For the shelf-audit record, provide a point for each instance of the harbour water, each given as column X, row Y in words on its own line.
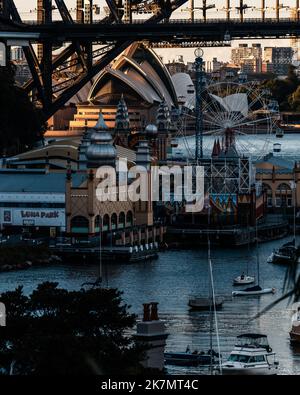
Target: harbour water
column 255, row 145
column 174, row 277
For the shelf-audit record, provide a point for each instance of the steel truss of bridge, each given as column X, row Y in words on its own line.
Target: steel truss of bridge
column 79, row 37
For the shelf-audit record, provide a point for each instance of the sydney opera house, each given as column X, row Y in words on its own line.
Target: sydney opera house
column 139, row 75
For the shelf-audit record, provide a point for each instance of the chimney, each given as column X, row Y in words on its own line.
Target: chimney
column 151, row 333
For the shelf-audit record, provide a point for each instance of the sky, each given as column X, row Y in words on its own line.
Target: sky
column 27, row 7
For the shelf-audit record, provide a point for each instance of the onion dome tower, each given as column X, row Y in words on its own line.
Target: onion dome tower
column 163, row 122
column 86, row 140
column 122, row 127
column 101, row 151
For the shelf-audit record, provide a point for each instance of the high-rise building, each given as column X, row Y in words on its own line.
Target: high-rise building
column 243, row 51
column 279, row 57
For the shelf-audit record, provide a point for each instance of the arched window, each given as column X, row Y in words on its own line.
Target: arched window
column 97, row 223
column 129, row 218
column 114, row 221
column 269, row 194
column 79, row 224
column 121, row 220
column 283, row 195
column 105, row 226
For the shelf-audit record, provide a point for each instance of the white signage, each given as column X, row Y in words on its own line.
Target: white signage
column 33, row 217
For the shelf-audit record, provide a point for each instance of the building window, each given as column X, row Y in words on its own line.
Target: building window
column 106, row 222
column 129, row 219
column 79, row 224
column 283, row 195
column 269, row 201
column 97, row 223
column 114, row 221
column 121, row 221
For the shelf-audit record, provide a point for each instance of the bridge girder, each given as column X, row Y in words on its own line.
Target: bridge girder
column 51, row 97
column 79, row 54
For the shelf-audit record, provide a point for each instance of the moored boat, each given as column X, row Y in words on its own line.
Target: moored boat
column 243, row 280
column 257, row 290
column 189, row 358
column 295, row 331
column 252, row 355
column 198, row 303
column 286, row 254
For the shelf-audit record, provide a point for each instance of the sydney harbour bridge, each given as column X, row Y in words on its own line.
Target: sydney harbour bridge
column 85, row 45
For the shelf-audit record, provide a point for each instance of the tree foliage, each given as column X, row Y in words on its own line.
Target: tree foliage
column 61, row 332
column 285, row 91
column 20, row 122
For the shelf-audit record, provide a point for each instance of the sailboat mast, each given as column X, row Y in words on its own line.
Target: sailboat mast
column 100, row 254
column 294, row 188
column 210, row 295
column 257, row 256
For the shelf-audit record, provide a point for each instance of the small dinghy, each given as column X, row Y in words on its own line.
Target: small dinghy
column 243, row 280
column 257, row 290
column 189, row 358
column 198, row 303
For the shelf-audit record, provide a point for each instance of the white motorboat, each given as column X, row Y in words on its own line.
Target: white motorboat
column 295, row 331
column 252, row 355
column 257, row 290
column 243, row 280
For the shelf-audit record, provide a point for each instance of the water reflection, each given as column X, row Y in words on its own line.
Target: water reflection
column 174, row 277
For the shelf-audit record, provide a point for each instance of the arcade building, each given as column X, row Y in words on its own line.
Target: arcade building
column 52, row 190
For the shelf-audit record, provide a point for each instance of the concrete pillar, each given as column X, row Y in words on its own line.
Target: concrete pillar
column 151, row 333
column 131, row 236
column 228, row 10
column 146, row 235
column 123, row 238
column 153, row 234
column 263, row 7
column 191, row 7
column 161, row 234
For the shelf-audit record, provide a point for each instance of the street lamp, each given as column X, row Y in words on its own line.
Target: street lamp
column 198, row 107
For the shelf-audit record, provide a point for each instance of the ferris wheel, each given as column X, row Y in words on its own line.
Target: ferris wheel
column 234, row 114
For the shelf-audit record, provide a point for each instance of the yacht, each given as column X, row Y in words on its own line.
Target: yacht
column 243, row 279
column 295, row 331
column 252, row 355
column 288, row 253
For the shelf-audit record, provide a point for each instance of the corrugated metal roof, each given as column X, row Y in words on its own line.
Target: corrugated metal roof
column 16, row 181
column 278, row 161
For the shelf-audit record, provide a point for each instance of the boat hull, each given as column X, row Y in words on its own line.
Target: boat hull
column 294, row 337
column 249, row 293
column 257, row 371
column 283, row 259
column 184, row 359
column 204, row 304
column 246, row 281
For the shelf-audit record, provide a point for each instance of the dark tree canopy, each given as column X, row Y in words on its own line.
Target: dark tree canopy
column 285, row 90
column 20, row 122
column 58, row 332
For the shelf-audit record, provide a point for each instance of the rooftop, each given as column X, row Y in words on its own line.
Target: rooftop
column 36, row 181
